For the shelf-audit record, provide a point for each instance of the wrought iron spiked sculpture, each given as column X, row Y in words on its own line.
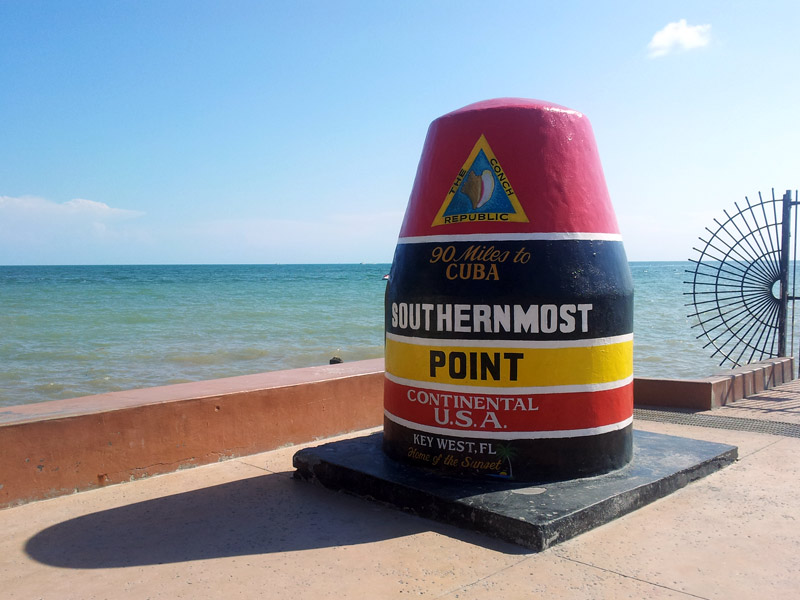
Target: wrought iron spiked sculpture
column 740, row 282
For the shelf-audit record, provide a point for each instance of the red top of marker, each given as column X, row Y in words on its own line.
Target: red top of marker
column 509, row 165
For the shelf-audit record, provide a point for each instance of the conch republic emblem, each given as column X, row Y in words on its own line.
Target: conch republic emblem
column 481, row 191
column 509, row 307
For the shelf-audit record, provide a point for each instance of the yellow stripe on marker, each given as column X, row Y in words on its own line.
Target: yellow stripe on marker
column 509, row 367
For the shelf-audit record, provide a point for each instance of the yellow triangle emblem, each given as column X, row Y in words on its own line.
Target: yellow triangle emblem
column 481, row 192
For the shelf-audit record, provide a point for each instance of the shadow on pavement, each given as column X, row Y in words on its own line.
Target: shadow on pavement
column 265, row 514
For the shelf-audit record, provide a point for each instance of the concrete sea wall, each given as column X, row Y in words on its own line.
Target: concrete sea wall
column 713, row 392
column 55, row 448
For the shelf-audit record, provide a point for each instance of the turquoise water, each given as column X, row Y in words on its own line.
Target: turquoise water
column 665, row 344
column 71, row 331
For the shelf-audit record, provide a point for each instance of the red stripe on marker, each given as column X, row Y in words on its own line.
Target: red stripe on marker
column 548, row 153
column 512, row 412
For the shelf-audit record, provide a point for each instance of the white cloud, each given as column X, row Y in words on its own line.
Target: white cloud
column 337, row 238
column 34, row 208
column 37, row 230
column 677, row 36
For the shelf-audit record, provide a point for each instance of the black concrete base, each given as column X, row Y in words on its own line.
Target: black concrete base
column 531, row 515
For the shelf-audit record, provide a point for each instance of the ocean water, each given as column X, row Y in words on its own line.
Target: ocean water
column 69, row 331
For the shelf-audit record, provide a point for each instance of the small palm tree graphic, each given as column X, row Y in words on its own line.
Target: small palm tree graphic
column 506, row 452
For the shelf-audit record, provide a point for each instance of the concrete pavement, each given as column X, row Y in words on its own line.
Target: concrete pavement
column 245, row 529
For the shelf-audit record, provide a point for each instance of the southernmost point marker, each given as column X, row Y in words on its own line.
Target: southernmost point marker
column 509, row 343
column 509, row 307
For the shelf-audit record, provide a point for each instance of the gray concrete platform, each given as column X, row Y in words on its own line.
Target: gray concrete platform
column 245, row 529
column 534, row 515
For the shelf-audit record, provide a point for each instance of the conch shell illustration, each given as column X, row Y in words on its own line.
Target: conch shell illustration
column 479, row 188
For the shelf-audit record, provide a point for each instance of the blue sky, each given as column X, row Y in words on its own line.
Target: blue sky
column 289, row 132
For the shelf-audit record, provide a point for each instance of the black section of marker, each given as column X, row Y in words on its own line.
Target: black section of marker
column 554, row 276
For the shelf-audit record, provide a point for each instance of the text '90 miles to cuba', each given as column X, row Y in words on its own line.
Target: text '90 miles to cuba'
column 476, row 262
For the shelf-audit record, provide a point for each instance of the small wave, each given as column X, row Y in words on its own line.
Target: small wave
column 50, row 387
column 194, row 358
column 220, row 356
